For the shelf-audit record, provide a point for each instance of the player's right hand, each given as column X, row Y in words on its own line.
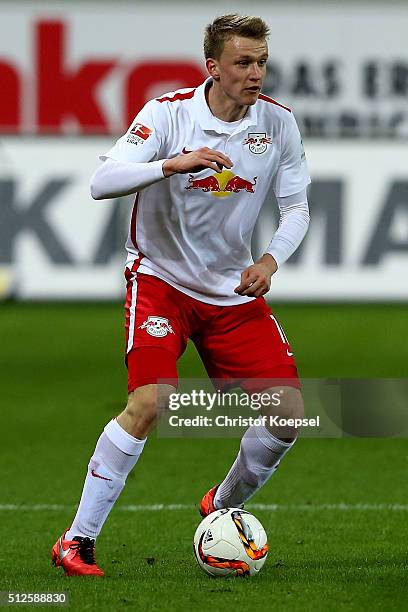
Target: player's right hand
column 195, row 161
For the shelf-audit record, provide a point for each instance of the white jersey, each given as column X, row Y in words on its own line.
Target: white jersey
column 194, row 230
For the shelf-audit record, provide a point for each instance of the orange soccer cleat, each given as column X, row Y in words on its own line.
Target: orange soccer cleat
column 76, row 556
column 207, row 503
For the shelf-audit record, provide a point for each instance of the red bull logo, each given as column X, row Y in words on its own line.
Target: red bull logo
column 209, row 183
column 222, row 184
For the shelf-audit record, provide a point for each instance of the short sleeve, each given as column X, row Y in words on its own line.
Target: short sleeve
column 144, row 138
column 292, row 175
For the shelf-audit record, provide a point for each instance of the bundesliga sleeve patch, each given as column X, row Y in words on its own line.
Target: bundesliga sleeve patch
column 139, row 134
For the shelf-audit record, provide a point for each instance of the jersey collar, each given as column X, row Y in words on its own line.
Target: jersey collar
column 206, row 119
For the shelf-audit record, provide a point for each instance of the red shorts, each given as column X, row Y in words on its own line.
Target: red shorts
column 244, row 342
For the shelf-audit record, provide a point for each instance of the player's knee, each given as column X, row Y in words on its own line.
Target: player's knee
column 145, row 404
column 286, row 402
column 291, row 411
column 291, row 406
column 141, row 406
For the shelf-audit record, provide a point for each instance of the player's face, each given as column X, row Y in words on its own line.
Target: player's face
column 241, row 69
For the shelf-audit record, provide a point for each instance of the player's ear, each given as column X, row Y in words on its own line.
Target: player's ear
column 212, row 67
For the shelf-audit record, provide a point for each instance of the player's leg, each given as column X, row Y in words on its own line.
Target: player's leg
column 153, row 351
column 261, row 450
column 116, row 453
column 268, row 366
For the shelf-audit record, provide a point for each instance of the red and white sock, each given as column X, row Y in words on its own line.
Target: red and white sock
column 258, row 458
column 115, row 455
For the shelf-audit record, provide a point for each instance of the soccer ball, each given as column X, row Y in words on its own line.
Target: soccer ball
column 230, row 542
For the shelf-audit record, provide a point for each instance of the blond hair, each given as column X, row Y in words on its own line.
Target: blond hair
column 223, row 28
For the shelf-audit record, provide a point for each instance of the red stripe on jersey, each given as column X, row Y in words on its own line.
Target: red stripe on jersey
column 272, row 101
column 134, row 268
column 133, row 226
column 133, row 222
column 177, row 96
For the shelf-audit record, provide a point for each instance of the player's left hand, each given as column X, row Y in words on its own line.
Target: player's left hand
column 256, row 279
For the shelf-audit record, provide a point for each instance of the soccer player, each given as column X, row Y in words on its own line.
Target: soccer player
column 201, row 162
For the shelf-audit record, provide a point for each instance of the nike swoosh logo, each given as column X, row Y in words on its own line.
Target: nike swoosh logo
column 99, row 476
column 62, row 553
column 185, row 151
column 289, row 354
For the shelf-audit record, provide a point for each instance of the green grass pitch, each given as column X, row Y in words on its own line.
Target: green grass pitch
column 338, row 536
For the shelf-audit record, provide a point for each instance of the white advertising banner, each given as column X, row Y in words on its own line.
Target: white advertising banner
column 88, row 67
column 56, row 242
